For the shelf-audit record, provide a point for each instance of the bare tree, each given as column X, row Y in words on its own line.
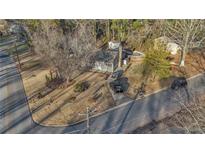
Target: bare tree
column 142, row 32
column 65, row 46
column 186, row 33
column 192, row 116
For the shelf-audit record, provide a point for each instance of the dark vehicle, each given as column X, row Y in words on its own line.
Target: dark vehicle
column 180, row 82
column 116, row 87
column 119, row 85
column 117, row 74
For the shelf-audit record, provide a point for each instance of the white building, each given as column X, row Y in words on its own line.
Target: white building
column 113, row 45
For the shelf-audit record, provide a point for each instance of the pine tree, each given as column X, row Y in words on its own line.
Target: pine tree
column 156, row 64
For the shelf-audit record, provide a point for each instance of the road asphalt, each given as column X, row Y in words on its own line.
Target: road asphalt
column 15, row 116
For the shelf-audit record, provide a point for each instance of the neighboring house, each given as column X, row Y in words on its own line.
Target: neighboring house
column 171, row 46
column 19, row 31
column 16, row 29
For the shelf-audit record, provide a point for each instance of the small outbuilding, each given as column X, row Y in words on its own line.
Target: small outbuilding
column 113, row 45
column 137, row 56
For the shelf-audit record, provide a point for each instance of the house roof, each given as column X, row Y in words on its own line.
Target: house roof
column 105, row 55
column 109, row 55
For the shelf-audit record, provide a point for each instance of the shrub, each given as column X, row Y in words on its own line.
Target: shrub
column 82, row 86
column 47, row 79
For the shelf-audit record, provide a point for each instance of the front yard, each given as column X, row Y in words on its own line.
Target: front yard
column 62, row 105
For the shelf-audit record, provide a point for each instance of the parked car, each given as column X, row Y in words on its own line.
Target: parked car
column 117, row 74
column 116, row 87
column 179, row 82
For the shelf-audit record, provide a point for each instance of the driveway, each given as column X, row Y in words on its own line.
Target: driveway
column 15, row 115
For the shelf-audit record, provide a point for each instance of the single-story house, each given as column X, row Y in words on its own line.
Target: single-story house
column 107, row 60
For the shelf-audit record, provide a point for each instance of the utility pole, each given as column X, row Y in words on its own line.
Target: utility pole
column 88, row 120
column 88, row 112
column 120, row 56
column 108, row 29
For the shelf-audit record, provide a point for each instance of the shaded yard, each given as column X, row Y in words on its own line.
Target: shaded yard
column 62, row 105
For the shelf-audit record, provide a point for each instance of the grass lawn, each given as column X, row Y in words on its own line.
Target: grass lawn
column 62, row 106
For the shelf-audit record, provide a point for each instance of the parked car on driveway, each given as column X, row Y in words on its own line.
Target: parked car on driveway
column 116, row 87
column 119, row 85
column 179, row 82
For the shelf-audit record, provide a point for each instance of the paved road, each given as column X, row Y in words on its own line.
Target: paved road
column 15, row 115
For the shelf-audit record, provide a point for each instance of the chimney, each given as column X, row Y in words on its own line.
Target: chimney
column 120, row 56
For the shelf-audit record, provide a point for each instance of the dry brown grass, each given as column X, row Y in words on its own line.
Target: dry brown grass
column 62, row 106
column 194, row 64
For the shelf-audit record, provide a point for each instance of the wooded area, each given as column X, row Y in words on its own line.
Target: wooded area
column 68, row 45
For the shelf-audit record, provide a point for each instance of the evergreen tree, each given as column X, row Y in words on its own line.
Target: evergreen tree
column 156, row 64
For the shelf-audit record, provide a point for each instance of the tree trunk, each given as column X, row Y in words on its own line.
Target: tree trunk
column 113, row 34
column 95, row 34
column 120, row 56
column 185, row 48
column 182, row 60
column 183, row 53
column 108, row 30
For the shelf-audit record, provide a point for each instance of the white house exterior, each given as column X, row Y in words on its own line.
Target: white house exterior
column 113, row 45
column 173, row 48
column 106, row 61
